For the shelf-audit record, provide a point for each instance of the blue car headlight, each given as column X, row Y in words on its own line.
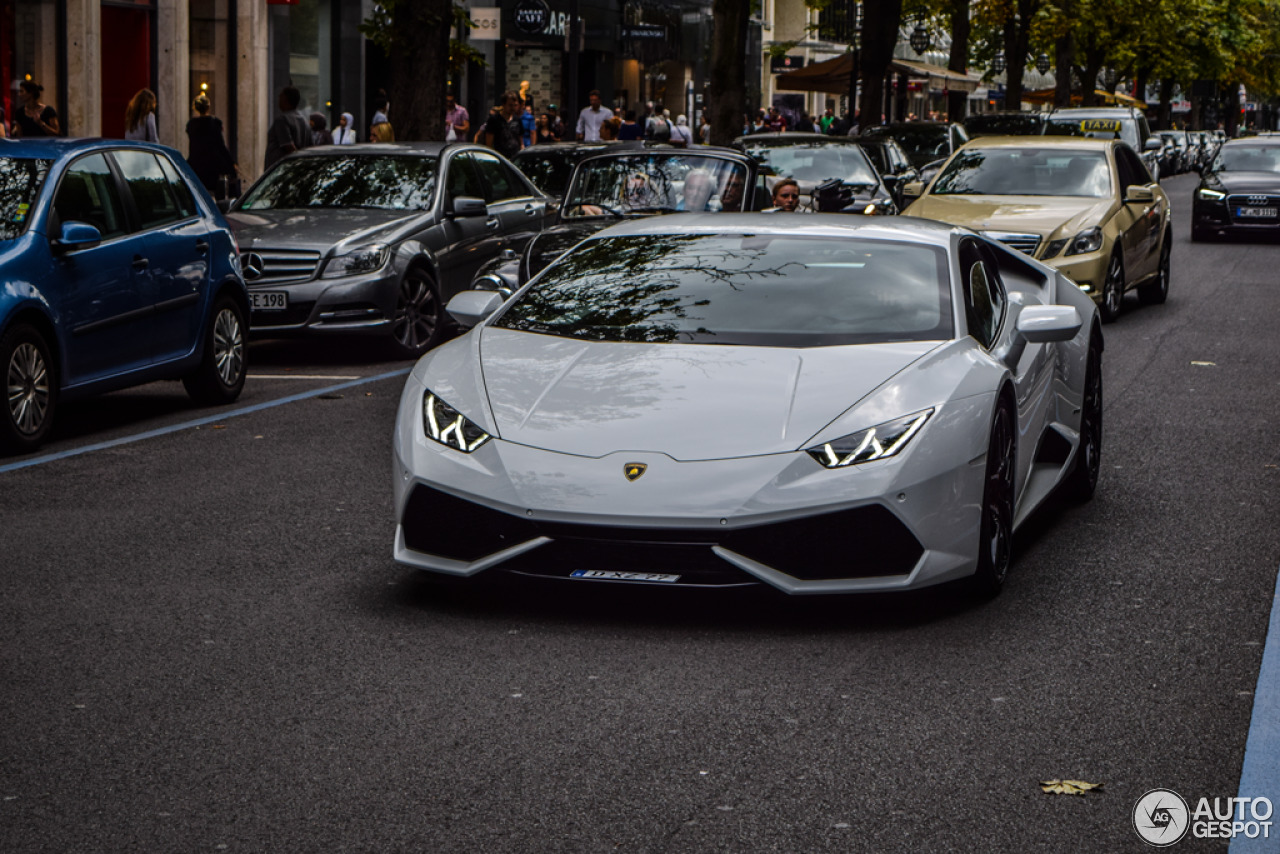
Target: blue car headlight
column 874, row 443
column 353, row 262
column 448, row 426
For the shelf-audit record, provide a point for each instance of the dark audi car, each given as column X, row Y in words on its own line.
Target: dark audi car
column 374, row 239
column 1240, row 191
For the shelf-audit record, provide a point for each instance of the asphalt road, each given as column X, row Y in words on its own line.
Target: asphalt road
column 205, row 645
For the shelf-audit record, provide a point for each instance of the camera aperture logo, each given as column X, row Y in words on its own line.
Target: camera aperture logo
column 1160, row 817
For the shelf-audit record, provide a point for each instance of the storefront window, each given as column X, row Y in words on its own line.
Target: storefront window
column 28, row 51
column 309, row 53
column 210, row 56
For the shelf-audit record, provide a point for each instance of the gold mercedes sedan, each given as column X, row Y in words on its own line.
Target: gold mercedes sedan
column 1087, row 207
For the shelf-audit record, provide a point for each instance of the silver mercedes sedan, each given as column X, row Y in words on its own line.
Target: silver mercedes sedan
column 820, row 403
column 373, row 239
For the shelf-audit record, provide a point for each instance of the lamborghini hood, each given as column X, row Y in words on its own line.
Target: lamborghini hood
column 691, row 402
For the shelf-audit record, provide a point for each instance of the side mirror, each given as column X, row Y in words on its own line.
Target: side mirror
column 913, row 189
column 1152, row 144
column 1045, row 324
column 1138, row 194
column 468, row 206
column 891, row 182
column 470, row 308
column 77, row 235
column 224, row 205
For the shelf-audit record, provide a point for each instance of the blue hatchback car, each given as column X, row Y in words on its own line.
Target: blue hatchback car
column 116, row 269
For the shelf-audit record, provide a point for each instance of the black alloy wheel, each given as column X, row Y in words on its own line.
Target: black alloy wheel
column 1112, row 290
column 418, row 324
column 1083, row 479
column 31, row 389
column 221, row 373
column 995, row 544
column 1156, row 292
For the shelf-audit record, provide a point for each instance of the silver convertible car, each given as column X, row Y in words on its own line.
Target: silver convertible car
column 820, row 403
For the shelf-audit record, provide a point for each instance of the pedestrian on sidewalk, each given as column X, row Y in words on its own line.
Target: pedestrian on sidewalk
column 320, row 130
column 457, row 120
column 592, row 116
column 345, row 132
column 209, row 158
column 504, row 132
column 140, row 117
column 290, row 131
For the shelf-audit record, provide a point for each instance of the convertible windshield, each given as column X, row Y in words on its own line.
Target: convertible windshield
column 656, row 182
column 20, row 182
column 1248, row 158
column 398, row 183
column 814, row 163
column 741, row 289
column 1025, row 172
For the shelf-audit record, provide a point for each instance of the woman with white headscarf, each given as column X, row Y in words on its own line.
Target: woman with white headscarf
column 345, row 132
column 682, row 134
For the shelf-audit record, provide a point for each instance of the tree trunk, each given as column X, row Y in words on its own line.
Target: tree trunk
column 880, row 22
column 1164, row 118
column 958, row 102
column 728, row 84
column 1065, row 57
column 418, row 66
column 1017, row 35
column 1140, row 83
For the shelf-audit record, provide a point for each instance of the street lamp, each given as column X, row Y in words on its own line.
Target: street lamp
column 997, row 62
column 1042, row 63
column 920, row 38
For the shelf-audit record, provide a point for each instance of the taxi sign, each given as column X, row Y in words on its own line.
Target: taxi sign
column 1093, row 125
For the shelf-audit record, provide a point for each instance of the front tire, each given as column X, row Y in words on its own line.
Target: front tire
column 220, row 376
column 995, row 543
column 1112, row 290
column 418, row 323
column 1157, row 292
column 31, row 389
column 1083, row 479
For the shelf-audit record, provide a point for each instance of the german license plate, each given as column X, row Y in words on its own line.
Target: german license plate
column 1256, row 213
column 611, row 575
column 269, row 300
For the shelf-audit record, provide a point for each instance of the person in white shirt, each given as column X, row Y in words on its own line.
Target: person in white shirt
column 592, row 117
column 344, row 133
column 682, row 134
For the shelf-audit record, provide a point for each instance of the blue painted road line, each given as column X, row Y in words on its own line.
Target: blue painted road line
column 1260, row 776
column 199, row 422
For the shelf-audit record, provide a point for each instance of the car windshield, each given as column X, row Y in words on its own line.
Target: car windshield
column 1025, row 172
column 1248, row 158
column 1094, row 127
column 814, row 163
column 1004, row 125
column 20, row 182
column 387, row 181
column 549, row 169
column 657, row 182
column 740, row 289
column 1172, row 138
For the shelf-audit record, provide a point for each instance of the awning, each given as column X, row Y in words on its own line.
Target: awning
column 1111, row 99
column 832, row 76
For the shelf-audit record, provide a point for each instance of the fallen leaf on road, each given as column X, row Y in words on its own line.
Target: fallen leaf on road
column 1067, row 787
column 219, row 427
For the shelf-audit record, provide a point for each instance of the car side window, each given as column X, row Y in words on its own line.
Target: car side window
column 186, row 203
column 462, row 178
column 1139, row 169
column 1124, row 170
column 153, row 198
column 88, row 193
column 498, row 183
column 983, row 295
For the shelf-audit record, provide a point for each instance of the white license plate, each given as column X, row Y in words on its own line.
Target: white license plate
column 1262, row 213
column 610, row 575
column 269, row 300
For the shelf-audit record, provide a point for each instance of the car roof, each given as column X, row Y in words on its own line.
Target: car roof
column 831, row 225
column 790, row 137
column 55, row 147
column 418, row 148
column 1068, row 142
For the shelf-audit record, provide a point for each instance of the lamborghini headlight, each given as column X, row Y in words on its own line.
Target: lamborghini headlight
column 1089, row 240
column 448, row 426
column 353, row 262
column 875, row 443
column 1210, row 195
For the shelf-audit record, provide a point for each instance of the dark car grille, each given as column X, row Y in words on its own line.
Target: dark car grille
column 263, row 266
column 858, row 543
column 1259, row 200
